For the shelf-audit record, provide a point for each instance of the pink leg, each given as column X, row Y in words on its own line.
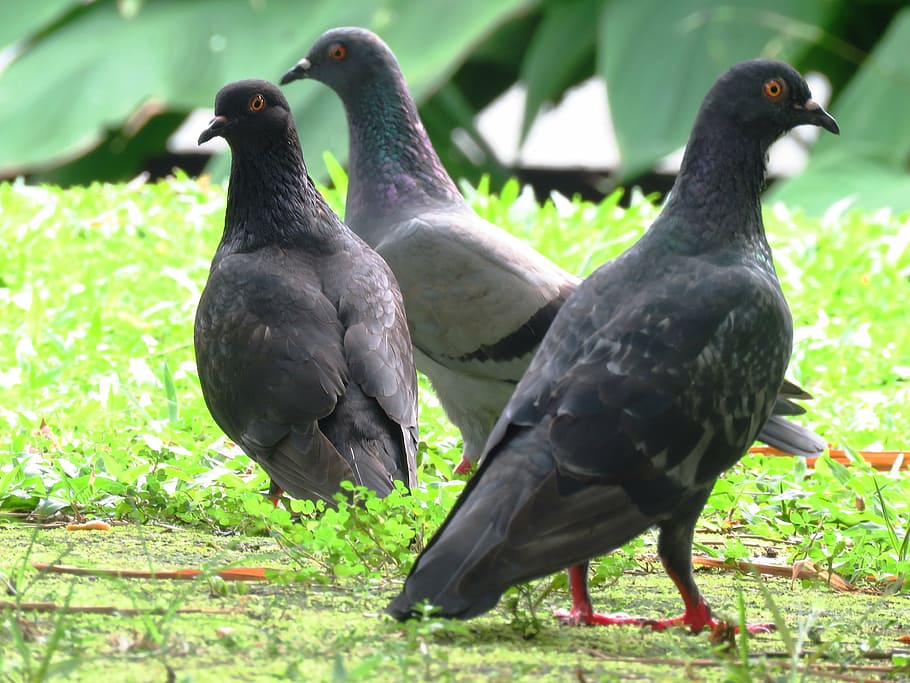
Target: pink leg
column 464, row 467
column 697, row 615
column 582, row 612
column 275, row 493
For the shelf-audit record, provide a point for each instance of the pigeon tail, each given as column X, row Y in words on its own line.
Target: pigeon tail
column 370, row 442
column 306, row 465
column 790, row 437
column 456, row 572
column 516, row 520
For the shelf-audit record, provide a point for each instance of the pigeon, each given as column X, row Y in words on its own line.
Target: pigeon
column 302, row 344
column 654, row 378
column 478, row 299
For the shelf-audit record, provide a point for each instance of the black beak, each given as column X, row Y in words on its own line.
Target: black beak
column 216, row 127
column 298, row 71
column 816, row 116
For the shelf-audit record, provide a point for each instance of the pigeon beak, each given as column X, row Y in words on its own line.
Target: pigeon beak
column 216, row 127
column 298, row 71
column 814, row 114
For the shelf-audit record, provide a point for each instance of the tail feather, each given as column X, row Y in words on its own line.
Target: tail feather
column 790, row 437
column 306, row 465
column 785, row 435
column 373, row 445
column 510, row 525
column 785, row 406
column 789, row 390
column 358, row 442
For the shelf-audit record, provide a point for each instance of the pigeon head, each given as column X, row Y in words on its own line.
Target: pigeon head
column 764, row 98
column 343, row 59
column 248, row 109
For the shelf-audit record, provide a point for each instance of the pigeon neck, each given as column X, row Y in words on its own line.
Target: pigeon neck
column 272, row 201
column 391, row 157
column 716, row 198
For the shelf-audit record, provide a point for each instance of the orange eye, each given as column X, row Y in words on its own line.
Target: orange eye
column 774, row 89
column 257, row 103
column 337, row 51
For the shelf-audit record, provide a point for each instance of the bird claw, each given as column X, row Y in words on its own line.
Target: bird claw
column 584, row 617
column 697, row 624
column 759, row 628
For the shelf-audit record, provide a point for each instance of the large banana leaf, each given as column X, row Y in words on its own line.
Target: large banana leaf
column 659, row 58
column 96, row 87
column 867, row 164
column 110, row 61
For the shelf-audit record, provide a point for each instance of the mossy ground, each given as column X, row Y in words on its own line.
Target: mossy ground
column 336, row 632
column 101, row 415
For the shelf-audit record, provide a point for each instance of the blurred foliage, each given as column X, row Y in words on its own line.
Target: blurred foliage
column 92, row 89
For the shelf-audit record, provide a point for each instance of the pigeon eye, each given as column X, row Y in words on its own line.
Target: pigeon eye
column 257, row 103
column 338, row 52
column 774, row 89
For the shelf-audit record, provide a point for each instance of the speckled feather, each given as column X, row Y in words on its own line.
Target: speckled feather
column 654, row 378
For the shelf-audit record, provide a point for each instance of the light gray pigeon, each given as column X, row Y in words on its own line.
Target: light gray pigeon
column 478, row 300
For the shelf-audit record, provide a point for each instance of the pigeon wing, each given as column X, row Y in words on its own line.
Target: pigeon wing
column 377, row 347
column 269, row 349
column 479, row 300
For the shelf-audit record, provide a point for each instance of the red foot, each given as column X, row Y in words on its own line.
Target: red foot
column 587, row 617
column 582, row 613
column 464, row 467
column 697, row 622
column 697, row 615
column 275, row 493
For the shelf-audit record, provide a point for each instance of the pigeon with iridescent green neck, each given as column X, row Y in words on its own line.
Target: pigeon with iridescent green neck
column 478, row 300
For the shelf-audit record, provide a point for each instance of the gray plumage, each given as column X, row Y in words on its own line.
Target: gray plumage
column 478, row 300
column 655, row 377
column 301, row 340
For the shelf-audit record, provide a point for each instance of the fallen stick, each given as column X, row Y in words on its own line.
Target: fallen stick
column 106, row 609
column 803, row 569
column 883, row 461
column 233, row 574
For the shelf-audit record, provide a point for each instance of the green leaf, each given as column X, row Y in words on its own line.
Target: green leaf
column 62, row 95
column 170, row 392
column 653, row 101
column 21, row 20
column 866, row 164
column 872, row 111
column 561, row 44
column 337, row 174
column 841, row 177
column 169, row 55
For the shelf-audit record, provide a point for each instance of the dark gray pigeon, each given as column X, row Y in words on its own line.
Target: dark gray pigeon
column 301, row 340
column 655, row 377
column 478, row 300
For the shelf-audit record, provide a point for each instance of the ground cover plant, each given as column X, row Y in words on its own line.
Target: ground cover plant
column 101, row 418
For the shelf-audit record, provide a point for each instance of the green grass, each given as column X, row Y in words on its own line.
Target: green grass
column 101, row 415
